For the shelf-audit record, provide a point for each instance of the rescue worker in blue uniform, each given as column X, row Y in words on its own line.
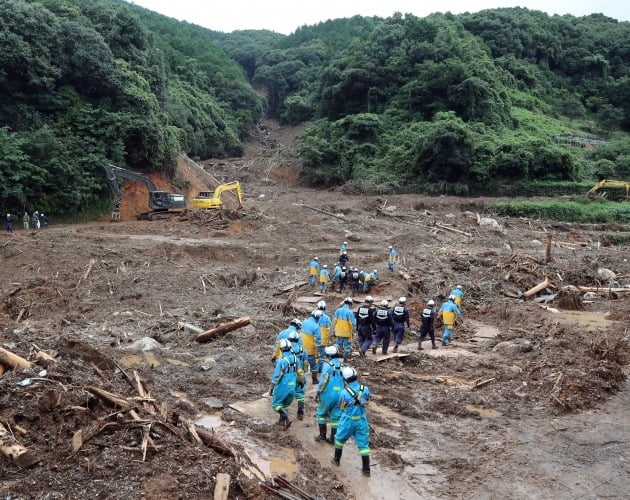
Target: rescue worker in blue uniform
column 324, row 278
column 325, row 327
column 400, row 318
column 449, row 312
column 336, row 275
column 353, row 422
column 283, row 382
column 365, row 324
column 311, row 338
column 391, row 258
column 313, row 271
column 344, row 324
column 383, row 320
column 294, row 326
column 458, row 293
column 302, row 368
column 343, row 248
column 427, row 317
column 327, row 394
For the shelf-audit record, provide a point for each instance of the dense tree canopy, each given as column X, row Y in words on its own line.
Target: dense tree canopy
column 442, row 103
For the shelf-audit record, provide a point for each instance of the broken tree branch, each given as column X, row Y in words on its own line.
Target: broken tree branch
column 452, row 229
column 540, row 286
column 11, row 360
column 11, row 448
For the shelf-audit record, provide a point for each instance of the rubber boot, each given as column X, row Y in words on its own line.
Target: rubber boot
column 420, row 346
column 321, row 437
column 314, row 378
column 366, row 465
column 284, row 419
column 300, row 412
column 433, row 346
column 396, row 348
column 373, row 349
column 331, row 440
column 337, row 458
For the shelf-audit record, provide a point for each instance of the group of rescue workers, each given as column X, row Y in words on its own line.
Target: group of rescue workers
column 309, row 346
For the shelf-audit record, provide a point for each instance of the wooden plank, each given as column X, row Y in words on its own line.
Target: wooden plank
column 222, row 486
column 290, row 287
column 384, row 357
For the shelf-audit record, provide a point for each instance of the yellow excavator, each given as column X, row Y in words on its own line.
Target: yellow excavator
column 609, row 183
column 210, row 199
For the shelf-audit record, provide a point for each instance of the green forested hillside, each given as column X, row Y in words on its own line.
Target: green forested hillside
column 454, row 103
column 83, row 82
column 446, row 103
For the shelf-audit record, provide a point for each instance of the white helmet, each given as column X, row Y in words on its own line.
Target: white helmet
column 390, row 247
column 285, row 345
column 349, row 374
column 345, row 242
column 345, row 253
column 459, row 287
column 325, row 266
column 402, row 300
column 315, row 258
column 375, row 271
column 321, row 305
column 317, row 313
column 347, row 300
column 384, row 302
column 296, row 323
column 451, row 297
column 331, row 350
column 431, row 302
column 369, row 298
column 294, row 336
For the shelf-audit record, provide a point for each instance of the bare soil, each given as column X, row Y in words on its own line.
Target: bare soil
column 529, row 401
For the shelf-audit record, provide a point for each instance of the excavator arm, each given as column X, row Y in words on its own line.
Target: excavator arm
column 159, row 201
column 207, row 200
column 609, row 183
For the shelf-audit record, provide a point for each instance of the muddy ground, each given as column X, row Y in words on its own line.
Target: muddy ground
column 529, row 401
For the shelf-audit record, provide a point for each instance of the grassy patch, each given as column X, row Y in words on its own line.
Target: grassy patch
column 567, row 211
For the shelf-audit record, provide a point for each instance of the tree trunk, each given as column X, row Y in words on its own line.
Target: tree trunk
column 11, row 360
column 223, row 329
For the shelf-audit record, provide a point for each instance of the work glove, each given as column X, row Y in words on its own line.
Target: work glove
column 317, row 397
column 273, row 360
column 271, row 389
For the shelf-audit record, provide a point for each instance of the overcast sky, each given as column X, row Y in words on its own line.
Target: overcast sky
column 285, row 16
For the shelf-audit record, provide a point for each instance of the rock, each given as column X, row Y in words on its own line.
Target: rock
column 606, row 274
column 590, row 296
column 526, row 346
column 213, row 403
column 491, row 223
column 570, row 288
column 261, row 196
column 143, row 344
column 509, row 346
column 390, row 208
column 536, row 243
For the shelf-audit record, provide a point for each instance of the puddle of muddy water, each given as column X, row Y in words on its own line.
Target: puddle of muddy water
column 586, row 319
column 484, row 412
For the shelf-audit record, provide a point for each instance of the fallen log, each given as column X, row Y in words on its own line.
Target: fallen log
column 404, row 275
column 223, row 329
column 222, row 486
column 11, row 448
column 603, row 289
column 321, row 211
column 213, row 441
column 11, row 360
column 452, row 229
column 539, row 287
